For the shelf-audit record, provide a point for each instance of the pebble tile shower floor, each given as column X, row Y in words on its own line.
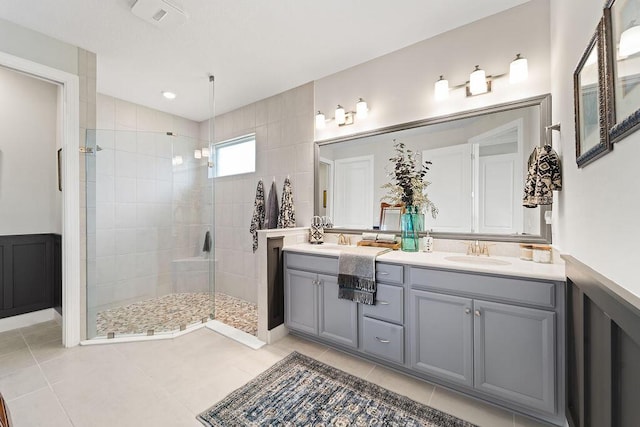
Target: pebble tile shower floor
column 173, row 311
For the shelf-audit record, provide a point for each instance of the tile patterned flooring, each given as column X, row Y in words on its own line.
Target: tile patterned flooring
column 170, row 312
column 168, row 382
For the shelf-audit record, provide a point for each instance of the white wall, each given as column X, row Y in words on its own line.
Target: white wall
column 399, row 86
column 596, row 214
column 29, row 198
column 37, row 47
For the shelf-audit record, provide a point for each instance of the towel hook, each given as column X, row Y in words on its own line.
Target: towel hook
column 547, row 135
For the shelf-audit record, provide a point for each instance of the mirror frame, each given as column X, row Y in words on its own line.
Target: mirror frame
column 543, row 101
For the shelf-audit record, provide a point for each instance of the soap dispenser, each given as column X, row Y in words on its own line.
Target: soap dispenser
column 427, row 245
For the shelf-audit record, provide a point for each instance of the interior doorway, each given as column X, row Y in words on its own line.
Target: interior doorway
column 67, row 118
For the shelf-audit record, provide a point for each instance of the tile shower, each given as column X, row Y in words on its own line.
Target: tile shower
column 149, row 207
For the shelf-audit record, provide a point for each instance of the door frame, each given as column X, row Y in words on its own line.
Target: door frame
column 69, row 122
column 330, row 166
column 336, row 164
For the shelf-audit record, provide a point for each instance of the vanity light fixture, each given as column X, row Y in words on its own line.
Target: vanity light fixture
column 479, row 82
column 321, row 121
column 629, row 41
column 343, row 117
column 169, row 95
column 518, row 70
column 362, row 109
column 441, row 89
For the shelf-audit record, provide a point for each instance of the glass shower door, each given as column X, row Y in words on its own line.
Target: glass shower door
column 150, row 250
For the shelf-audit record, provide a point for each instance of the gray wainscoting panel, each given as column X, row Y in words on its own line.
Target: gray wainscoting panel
column 603, row 360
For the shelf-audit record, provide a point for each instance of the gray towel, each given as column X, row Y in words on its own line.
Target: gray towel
column 357, row 274
column 271, row 216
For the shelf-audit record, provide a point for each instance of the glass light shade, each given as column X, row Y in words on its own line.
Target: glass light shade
column 205, row 152
column 177, row 160
column 629, row 41
column 518, row 70
column 362, row 109
column 320, row 121
column 197, row 154
column 441, row 89
column 478, row 81
column 341, row 117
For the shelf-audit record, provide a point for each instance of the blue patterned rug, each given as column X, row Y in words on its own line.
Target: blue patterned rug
column 300, row 391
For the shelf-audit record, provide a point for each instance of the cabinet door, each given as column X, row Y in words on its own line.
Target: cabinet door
column 440, row 330
column 301, row 301
column 515, row 354
column 338, row 320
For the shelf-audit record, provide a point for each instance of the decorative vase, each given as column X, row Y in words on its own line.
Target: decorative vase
column 411, row 225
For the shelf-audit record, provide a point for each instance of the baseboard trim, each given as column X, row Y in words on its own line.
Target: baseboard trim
column 28, row 319
column 235, row 334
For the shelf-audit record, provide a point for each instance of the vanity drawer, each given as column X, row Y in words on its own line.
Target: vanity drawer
column 389, row 273
column 389, row 304
column 510, row 289
column 315, row 263
column 383, row 339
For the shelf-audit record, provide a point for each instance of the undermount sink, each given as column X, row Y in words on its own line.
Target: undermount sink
column 476, row 260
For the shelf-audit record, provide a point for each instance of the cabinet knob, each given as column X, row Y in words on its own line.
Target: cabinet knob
column 478, row 313
column 382, row 340
column 467, row 310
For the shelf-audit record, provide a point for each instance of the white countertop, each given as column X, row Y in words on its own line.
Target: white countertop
column 515, row 267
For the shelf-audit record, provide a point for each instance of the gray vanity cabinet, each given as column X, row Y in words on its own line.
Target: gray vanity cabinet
column 495, row 337
column 312, row 306
column 338, row 318
column 442, row 336
column 301, row 301
column 514, row 350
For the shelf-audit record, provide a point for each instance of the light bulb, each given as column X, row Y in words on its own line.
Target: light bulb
column 441, row 89
column 341, row 117
column 478, row 81
column 320, row 121
column 362, row 109
column 169, row 95
column 518, row 70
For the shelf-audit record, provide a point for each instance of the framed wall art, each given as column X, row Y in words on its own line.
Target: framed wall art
column 622, row 29
column 591, row 98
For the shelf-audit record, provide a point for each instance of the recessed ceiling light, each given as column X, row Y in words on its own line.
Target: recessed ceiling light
column 169, row 95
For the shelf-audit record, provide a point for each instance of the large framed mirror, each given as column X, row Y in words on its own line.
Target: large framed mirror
column 478, row 171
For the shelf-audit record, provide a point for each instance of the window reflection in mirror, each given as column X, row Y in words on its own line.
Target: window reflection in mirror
column 479, row 166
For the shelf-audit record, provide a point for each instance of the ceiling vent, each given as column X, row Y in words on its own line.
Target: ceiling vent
column 161, row 13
